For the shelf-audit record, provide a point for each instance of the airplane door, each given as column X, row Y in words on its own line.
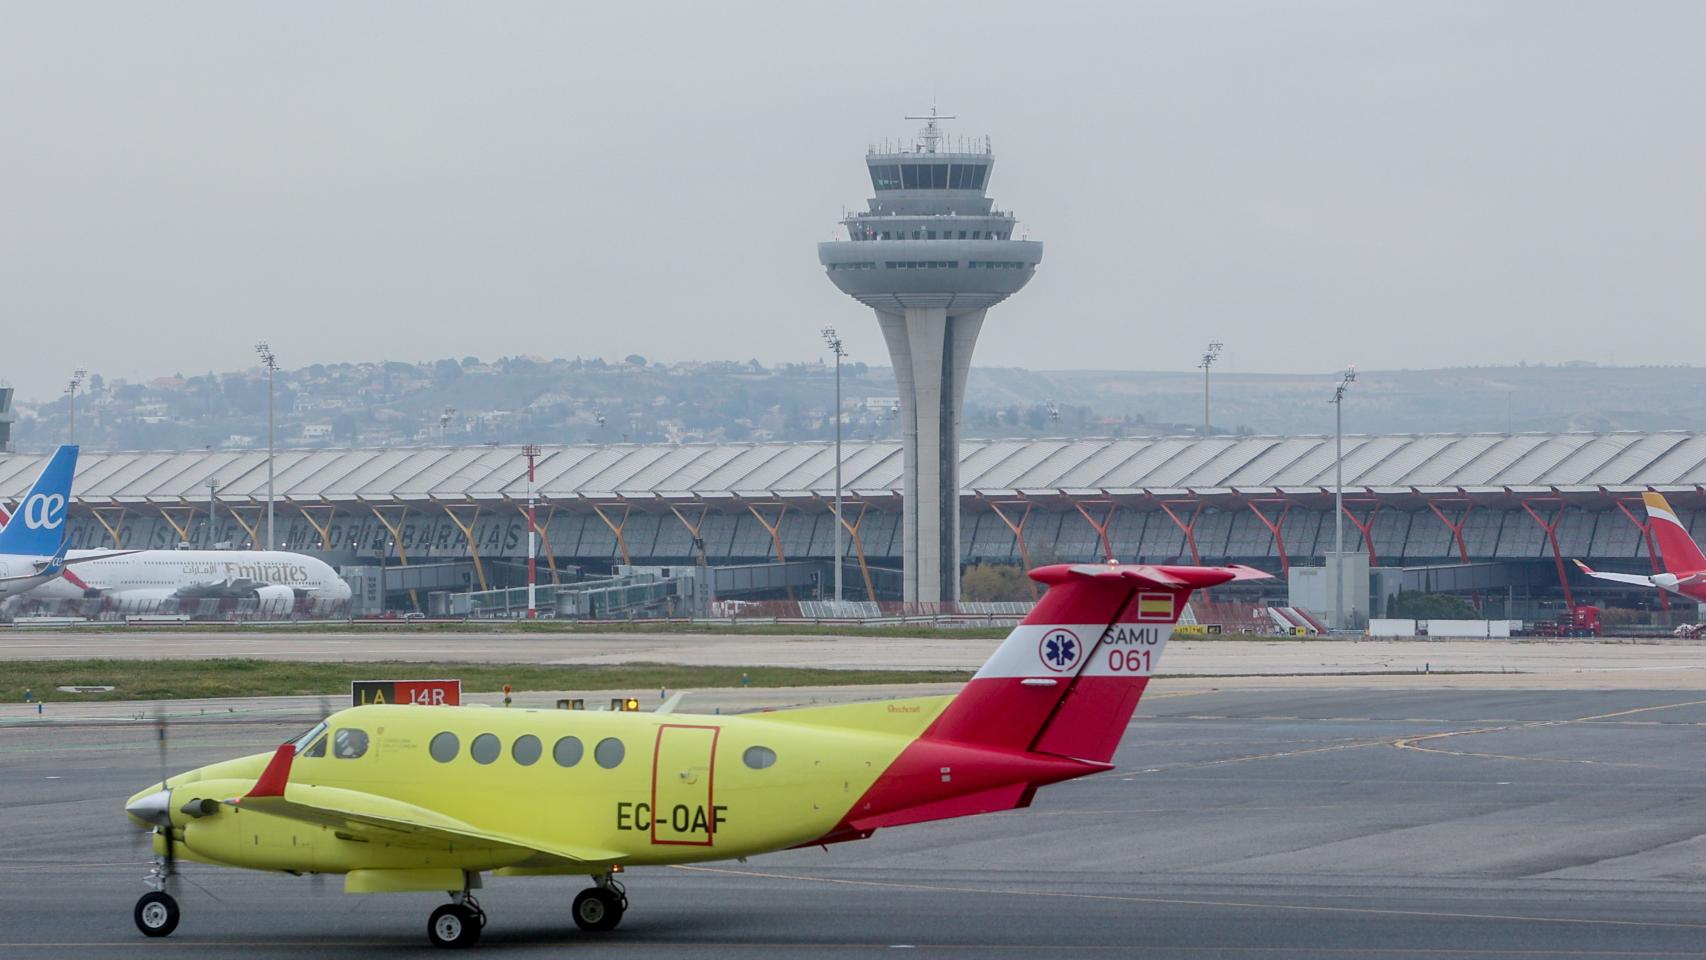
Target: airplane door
column 683, row 767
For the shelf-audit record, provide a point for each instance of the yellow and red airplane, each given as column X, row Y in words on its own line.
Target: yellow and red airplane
column 413, row 798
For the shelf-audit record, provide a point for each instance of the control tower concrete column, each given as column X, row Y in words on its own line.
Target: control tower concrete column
column 931, row 351
column 930, row 256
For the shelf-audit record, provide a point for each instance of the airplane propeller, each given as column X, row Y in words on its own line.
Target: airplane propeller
column 317, row 881
column 156, row 809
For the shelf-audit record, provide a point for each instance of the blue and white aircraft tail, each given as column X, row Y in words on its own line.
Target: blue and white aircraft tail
column 38, row 525
column 33, row 542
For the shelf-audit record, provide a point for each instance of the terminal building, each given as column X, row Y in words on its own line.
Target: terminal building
column 1496, row 516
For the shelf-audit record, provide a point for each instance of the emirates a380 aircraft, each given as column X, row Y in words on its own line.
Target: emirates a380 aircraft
column 34, row 561
column 152, row 575
column 1685, row 566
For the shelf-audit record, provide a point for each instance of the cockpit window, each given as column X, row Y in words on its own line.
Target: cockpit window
column 318, row 749
column 301, row 743
column 349, row 743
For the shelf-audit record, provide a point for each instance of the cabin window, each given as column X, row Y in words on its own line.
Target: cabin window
column 609, row 753
column 318, row 749
column 758, row 757
column 525, row 750
column 444, row 747
column 567, row 751
column 349, row 743
column 485, row 748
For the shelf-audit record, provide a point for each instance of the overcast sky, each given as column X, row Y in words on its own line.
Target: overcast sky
column 1390, row 184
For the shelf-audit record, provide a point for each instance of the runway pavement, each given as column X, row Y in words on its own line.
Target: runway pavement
column 1296, row 821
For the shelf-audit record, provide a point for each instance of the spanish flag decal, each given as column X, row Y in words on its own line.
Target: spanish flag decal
column 1155, row 606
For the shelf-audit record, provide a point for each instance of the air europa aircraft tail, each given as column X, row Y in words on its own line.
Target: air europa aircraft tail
column 1066, row 680
column 1680, row 553
column 37, row 527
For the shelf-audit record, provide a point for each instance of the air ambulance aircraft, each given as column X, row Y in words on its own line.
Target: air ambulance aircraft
column 1685, row 566
column 422, row 799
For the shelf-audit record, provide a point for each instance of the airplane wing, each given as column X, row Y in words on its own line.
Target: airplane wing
column 394, row 821
column 27, row 576
column 73, row 561
column 231, row 588
column 45, row 569
column 1633, row 578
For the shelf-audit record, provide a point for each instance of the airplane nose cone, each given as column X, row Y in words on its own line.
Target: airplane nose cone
column 154, row 808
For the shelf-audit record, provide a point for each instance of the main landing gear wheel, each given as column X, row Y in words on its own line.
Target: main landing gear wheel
column 599, row 909
column 455, row 925
column 156, row 914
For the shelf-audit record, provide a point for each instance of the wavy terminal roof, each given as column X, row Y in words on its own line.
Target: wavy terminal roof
column 1432, row 464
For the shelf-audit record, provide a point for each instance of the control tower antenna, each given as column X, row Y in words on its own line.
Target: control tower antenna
column 931, row 135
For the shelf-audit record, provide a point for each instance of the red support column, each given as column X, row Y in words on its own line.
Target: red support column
column 1018, row 529
column 1190, row 529
column 1365, row 527
column 1552, row 537
column 1646, row 528
column 1457, row 530
column 1275, row 527
column 1100, row 528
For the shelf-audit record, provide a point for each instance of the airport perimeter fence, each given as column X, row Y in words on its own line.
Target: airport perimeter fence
column 867, row 612
column 117, row 610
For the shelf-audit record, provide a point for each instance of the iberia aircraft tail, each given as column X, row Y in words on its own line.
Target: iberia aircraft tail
column 1050, row 705
column 1681, row 555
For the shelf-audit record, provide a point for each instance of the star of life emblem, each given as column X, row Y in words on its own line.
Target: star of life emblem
column 1060, row 650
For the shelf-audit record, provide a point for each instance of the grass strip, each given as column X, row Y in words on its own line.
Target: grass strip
column 544, row 627
column 247, row 677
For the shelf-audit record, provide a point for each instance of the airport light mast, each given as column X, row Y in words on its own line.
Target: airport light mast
column 270, row 361
column 1209, row 356
column 531, row 452
column 77, row 376
column 212, row 503
column 1338, row 403
column 836, row 347
column 930, row 256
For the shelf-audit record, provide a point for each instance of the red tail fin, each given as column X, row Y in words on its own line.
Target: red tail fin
column 1680, row 553
column 1066, row 680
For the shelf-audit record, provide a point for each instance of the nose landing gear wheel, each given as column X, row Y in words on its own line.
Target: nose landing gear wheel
column 156, row 914
column 598, row 909
column 454, row 925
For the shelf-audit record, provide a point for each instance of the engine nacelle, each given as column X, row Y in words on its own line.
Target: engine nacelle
column 275, row 594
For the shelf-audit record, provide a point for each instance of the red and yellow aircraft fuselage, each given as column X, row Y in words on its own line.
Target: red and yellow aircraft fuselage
column 407, row 798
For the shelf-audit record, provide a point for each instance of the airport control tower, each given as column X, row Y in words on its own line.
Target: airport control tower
column 931, row 255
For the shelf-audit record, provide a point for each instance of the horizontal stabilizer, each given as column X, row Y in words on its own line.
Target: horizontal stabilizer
column 1005, row 797
column 1154, row 575
column 1635, row 579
